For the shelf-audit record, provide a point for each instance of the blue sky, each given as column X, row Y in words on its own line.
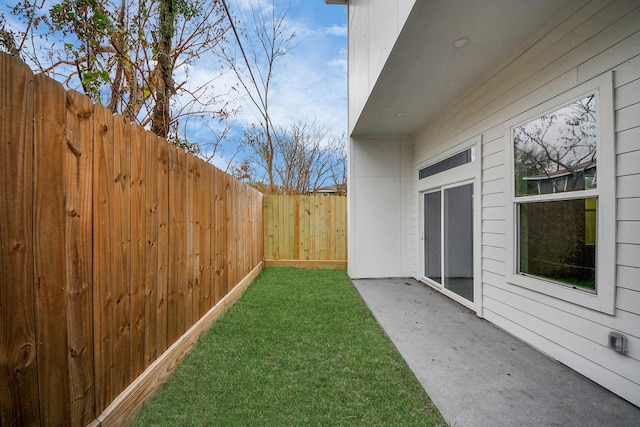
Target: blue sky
column 310, row 82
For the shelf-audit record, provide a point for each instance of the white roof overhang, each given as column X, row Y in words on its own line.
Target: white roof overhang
column 426, row 73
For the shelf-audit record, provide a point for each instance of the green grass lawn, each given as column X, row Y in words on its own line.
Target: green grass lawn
column 299, row 348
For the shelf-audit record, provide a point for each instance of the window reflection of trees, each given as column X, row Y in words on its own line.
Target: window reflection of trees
column 557, row 152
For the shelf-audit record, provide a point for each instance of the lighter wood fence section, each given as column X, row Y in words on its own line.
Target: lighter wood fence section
column 113, row 245
column 305, row 231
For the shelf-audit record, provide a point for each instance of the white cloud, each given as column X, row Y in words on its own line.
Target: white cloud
column 337, row 30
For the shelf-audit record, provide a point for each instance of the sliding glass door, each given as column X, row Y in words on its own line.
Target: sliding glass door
column 448, row 239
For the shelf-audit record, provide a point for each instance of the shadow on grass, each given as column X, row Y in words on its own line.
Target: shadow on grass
column 299, row 348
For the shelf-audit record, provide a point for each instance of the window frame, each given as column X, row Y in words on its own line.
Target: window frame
column 603, row 299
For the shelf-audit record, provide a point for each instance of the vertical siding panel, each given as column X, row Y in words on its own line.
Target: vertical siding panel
column 122, row 255
column 79, row 256
column 104, row 251
column 138, row 251
column 49, row 219
column 151, row 225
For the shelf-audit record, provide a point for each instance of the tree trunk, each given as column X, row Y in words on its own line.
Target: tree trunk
column 161, row 114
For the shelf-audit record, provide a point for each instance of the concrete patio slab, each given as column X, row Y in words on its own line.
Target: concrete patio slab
column 479, row 375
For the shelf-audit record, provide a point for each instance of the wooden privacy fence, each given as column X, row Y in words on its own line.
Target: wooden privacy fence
column 305, row 231
column 114, row 245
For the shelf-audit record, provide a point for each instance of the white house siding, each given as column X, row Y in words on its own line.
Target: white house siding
column 374, row 26
column 600, row 37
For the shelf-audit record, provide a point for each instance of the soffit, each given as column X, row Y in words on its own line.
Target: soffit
column 425, row 73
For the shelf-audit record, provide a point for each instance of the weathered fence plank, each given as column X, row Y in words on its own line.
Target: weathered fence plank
column 162, row 286
column 138, row 252
column 78, row 228
column 151, row 225
column 103, row 249
column 121, row 374
column 19, row 403
column 49, row 250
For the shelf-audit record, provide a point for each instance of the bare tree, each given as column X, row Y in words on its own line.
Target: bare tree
column 308, row 157
column 134, row 56
column 262, row 43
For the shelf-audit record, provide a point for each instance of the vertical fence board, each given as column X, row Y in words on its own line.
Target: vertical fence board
column 204, row 212
column 18, row 371
column 79, row 256
column 177, row 244
column 333, row 251
column 49, row 250
column 122, row 255
column 163, row 151
column 151, row 280
column 190, row 266
column 342, row 228
column 223, row 219
column 138, row 252
column 103, row 249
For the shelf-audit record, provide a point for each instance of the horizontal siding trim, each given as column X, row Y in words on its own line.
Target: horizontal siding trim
column 627, row 72
column 627, row 95
column 493, row 200
column 628, row 164
column 493, row 239
column 493, row 266
column 627, row 140
column 493, row 226
column 627, row 277
column 624, row 321
column 627, row 187
column 627, row 117
column 493, row 252
column 629, row 301
column 614, row 55
column 628, row 208
column 494, row 160
column 493, row 187
column 629, row 232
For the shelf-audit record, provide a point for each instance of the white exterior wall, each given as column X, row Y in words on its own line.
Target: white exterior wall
column 374, row 26
column 590, row 43
column 378, row 169
column 378, row 201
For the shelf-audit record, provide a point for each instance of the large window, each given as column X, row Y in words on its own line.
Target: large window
column 563, row 197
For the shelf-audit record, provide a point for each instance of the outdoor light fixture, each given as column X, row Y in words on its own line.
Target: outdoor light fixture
column 460, row 42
